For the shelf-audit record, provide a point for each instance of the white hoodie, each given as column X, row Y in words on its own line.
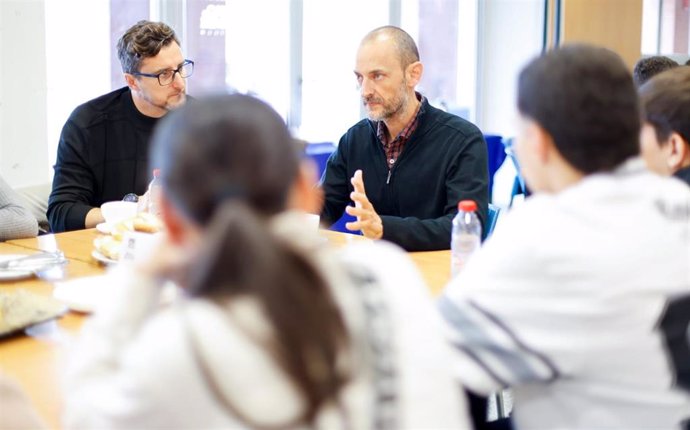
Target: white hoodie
column 134, row 366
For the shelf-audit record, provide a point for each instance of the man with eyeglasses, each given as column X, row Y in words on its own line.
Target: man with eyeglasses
column 104, row 145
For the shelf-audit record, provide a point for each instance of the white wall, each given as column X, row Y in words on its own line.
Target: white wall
column 23, row 154
column 510, row 34
column 78, row 60
column 54, row 57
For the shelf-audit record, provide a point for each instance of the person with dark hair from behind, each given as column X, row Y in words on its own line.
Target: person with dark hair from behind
column 408, row 164
column 647, row 67
column 573, row 301
column 103, row 149
column 665, row 137
column 276, row 329
column 16, row 221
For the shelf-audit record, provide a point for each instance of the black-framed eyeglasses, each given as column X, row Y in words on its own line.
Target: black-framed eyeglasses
column 166, row 77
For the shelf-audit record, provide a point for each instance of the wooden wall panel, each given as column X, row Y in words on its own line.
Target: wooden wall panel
column 615, row 24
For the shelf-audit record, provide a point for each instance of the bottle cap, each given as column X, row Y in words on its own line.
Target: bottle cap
column 467, row 206
column 156, row 173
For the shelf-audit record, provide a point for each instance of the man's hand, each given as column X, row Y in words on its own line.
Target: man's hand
column 93, row 218
column 367, row 219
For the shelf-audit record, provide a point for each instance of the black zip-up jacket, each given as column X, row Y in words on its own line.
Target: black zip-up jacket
column 443, row 162
column 102, row 155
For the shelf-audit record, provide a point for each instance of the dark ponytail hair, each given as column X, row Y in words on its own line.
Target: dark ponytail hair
column 228, row 163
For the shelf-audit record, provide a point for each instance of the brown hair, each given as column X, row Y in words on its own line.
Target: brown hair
column 143, row 40
column 228, row 163
column 584, row 97
column 666, row 103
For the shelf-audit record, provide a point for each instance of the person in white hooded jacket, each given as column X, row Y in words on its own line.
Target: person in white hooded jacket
column 275, row 329
column 580, row 300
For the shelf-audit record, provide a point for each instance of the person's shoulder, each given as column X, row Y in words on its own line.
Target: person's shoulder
column 383, row 260
column 451, row 121
column 535, row 221
column 674, row 186
column 360, row 132
column 635, row 179
column 96, row 110
column 362, row 126
column 365, row 249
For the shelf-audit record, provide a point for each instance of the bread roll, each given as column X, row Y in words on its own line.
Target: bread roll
column 109, row 246
column 147, row 223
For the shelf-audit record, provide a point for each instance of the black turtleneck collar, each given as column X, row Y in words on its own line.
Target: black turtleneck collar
column 139, row 119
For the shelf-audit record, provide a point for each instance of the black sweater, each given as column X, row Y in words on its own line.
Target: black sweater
column 102, row 155
column 444, row 161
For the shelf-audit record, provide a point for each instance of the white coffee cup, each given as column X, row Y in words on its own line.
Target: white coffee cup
column 117, row 211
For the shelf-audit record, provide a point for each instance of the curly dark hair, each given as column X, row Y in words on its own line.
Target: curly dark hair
column 647, row 67
column 143, row 40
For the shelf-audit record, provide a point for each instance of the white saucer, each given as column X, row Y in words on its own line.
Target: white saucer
column 12, row 275
column 102, row 258
column 103, row 227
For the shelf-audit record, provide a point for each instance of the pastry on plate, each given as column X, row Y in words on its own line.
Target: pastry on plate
column 108, row 246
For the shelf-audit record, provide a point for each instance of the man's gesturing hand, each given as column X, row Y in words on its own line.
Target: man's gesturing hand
column 367, row 219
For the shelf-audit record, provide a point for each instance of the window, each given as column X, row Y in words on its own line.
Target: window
column 297, row 55
column 300, row 56
column 665, row 25
column 331, row 34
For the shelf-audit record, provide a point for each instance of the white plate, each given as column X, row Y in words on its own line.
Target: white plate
column 12, row 275
column 102, row 258
column 103, row 227
column 82, row 294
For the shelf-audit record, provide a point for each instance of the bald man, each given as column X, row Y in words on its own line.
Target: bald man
column 408, row 164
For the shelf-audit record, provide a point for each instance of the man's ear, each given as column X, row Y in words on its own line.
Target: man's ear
column 678, row 152
column 413, row 73
column 132, row 82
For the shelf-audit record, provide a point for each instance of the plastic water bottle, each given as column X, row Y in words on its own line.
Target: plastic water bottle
column 466, row 236
column 155, row 193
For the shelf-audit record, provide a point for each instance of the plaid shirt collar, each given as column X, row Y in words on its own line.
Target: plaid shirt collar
column 395, row 147
column 407, row 130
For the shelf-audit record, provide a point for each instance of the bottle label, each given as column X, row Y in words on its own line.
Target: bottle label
column 154, row 200
column 462, row 247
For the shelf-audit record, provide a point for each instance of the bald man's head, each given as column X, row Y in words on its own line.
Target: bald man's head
column 404, row 44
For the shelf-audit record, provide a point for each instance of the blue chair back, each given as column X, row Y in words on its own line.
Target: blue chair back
column 519, row 186
column 496, row 155
column 319, row 152
column 492, row 218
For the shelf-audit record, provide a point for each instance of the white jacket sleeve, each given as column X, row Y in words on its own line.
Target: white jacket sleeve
column 102, row 384
column 497, row 317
